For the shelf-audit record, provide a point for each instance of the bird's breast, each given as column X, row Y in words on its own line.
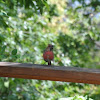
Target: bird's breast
column 48, row 55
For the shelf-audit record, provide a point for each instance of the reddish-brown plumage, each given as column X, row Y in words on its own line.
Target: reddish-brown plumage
column 48, row 54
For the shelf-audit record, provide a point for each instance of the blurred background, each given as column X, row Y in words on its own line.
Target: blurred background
column 28, row 26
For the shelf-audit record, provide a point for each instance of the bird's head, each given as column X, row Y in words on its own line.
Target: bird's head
column 50, row 46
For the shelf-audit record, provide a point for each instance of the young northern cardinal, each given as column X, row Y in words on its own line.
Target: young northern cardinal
column 48, row 54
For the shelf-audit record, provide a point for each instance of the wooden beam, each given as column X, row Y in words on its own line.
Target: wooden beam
column 45, row 72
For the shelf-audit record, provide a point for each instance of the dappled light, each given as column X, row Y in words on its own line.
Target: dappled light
column 26, row 29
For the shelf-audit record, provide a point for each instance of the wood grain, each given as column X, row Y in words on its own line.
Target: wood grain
column 45, row 72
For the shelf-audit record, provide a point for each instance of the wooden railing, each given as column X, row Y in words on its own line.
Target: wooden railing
column 45, row 72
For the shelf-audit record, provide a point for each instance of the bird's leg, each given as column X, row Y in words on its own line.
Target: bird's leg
column 49, row 62
column 53, row 61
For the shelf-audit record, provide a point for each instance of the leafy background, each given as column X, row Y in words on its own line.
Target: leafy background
column 26, row 28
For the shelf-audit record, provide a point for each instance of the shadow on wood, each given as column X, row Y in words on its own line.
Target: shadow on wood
column 45, row 72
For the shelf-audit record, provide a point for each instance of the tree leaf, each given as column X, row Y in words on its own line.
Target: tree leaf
column 14, row 52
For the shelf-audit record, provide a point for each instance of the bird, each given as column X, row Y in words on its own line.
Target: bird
column 48, row 54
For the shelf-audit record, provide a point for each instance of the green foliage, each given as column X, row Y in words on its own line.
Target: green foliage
column 76, row 98
column 75, row 48
column 14, row 52
column 26, row 28
column 13, row 7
